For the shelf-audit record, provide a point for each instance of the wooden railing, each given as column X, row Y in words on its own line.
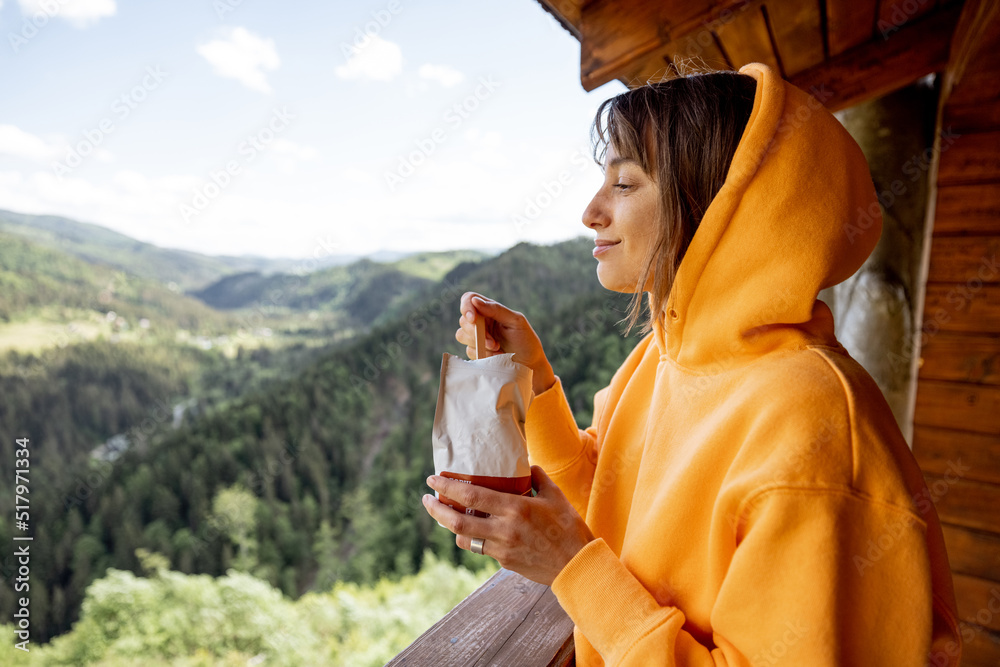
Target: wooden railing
column 509, row 620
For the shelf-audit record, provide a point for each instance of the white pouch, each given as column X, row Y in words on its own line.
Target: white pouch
column 478, row 434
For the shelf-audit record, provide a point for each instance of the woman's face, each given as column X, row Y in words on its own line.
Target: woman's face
column 624, row 213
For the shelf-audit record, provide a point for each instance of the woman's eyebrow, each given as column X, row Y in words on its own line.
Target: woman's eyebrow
column 621, row 159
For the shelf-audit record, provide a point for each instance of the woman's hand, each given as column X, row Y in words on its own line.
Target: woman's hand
column 534, row 537
column 506, row 331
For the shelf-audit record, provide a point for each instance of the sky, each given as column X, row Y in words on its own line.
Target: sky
column 298, row 128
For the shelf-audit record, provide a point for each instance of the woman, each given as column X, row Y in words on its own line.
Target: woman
column 743, row 496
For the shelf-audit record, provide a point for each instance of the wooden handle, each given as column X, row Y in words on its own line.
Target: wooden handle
column 480, row 325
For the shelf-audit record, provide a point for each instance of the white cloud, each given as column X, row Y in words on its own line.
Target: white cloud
column 243, row 56
column 80, row 13
column 18, row 143
column 443, row 74
column 375, row 59
column 285, row 147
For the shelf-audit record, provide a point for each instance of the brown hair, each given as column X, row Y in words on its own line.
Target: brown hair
column 683, row 133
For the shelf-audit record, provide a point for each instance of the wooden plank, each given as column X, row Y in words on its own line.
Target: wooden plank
column 971, row 158
column 650, row 69
column 960, row 358
column 959, row 259
column 940, row 450
column 618, row 34
column 965, row 502
column 967, row 209
column 974, row 117
column 697, row 48
column 567, row 12
column 797, row 32
column 546, row 627
column 960, row 307
column 980, row 646
column 615, row 37
column 482, row 623
column 972, row 552
column 957, row 405
column 746, row 40
column 894, row 14
column 977, row 598
column 881, row 66
column 849, row 23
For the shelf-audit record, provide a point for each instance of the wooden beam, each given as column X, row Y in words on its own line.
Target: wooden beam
column 881, row 66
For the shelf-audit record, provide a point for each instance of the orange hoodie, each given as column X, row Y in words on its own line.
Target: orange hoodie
column 753, row 500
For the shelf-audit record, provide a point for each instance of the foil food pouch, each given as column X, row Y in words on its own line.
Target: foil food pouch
column 478, row 434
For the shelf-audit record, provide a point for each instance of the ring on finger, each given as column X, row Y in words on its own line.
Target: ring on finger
column 477, row 545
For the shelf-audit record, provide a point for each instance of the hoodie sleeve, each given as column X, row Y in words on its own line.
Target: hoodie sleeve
column 567, row 453
column 818, row 577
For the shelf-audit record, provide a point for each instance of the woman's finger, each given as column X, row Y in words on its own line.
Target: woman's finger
column 468, row 330
column 495, row 310
column 455, row 521
column 468, row 495
column 465, row 542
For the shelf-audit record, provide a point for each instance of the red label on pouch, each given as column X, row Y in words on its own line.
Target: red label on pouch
column 517, row 485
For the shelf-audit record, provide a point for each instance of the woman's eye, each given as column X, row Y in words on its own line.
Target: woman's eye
column 623, row 186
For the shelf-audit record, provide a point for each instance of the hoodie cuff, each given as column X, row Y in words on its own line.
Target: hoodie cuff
column 551, row 431
column 612, row 609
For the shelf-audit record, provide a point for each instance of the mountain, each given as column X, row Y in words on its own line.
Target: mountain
column 39, row 282
column 362, row 291
column 93, row 243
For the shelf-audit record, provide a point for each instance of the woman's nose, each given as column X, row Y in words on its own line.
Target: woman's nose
column 595, row 215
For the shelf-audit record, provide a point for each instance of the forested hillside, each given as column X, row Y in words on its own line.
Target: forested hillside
column 303, row 464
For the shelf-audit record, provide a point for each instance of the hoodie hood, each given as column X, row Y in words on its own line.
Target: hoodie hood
column 797, row 213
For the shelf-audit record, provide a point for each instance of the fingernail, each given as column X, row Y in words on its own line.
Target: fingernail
column 431, row 480
column 471, row 316
column 426, row 499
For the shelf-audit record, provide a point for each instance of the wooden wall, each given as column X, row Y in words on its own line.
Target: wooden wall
column 957, row 416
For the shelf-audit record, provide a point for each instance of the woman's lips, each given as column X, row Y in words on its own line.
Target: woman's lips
column 601, row 247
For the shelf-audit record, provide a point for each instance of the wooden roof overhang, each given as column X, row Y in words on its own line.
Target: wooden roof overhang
column 854, row 49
